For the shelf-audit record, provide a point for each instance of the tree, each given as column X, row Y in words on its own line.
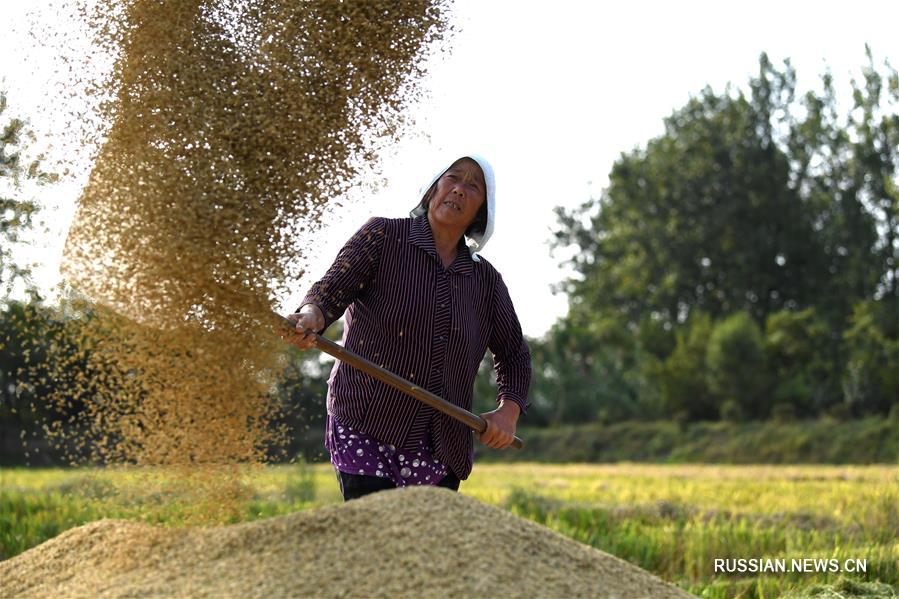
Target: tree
column 750, row 202
column 827, row 174
column 703, row 218
column 24, row 327
column 682, row 375
column 872, row 378
column 735, row 365
column 796, row 349
column 40, row 357
column 877, row 154
column 583, row 374
column 16, row 213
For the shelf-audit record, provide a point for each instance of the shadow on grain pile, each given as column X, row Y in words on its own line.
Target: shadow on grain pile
column 424, row 541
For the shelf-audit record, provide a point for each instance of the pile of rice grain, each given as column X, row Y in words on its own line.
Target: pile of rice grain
column 416, row 541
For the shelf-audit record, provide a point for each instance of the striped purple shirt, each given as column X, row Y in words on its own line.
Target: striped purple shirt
column 430, row 325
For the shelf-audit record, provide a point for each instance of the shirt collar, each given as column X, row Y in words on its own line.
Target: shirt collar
column 420, row 235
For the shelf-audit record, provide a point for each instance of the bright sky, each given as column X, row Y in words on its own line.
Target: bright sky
column 551, row 93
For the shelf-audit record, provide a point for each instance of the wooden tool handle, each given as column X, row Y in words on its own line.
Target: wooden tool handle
column 473, row 421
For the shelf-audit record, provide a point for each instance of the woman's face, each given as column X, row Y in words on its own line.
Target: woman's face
column 460, row 192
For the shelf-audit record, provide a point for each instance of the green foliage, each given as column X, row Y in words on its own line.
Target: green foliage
column 300, row 487
column 25, row 333
column 846, row 588
column 703, row 218
column 823, row 441
column 485, row 388
column 875, row 124
column 783, row 413
column 27, row 519
column 581, row 374
column 301, row 395
column 16, row 212
column 731, row 411
column 735, row 364
column 682, row 377
column 872, row 379
column 839, row 412
column 803, row 375
column 41, row 357
column 759, row 202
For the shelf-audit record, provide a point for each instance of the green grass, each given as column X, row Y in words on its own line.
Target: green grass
column 845, row 589
column 823, row 441
column 672, row 520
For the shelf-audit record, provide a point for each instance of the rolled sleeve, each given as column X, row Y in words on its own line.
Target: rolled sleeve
column 352, row 271
column 511, row 355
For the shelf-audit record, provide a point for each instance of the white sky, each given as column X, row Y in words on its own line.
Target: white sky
column 551, row 93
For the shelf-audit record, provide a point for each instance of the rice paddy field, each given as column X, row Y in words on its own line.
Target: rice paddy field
column 672, row 520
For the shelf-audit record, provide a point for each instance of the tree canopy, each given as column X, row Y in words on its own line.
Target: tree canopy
column 758, row 202
column 16, row 211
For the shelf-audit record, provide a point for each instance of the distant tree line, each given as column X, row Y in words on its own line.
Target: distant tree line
column 742, row 265
column 24, row 323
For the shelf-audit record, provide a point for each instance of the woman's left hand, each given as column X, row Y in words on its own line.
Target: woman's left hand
column 501, row 424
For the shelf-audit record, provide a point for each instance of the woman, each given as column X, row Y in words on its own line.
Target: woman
column 421, row 303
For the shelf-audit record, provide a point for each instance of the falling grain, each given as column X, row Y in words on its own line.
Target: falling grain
column 227, row 127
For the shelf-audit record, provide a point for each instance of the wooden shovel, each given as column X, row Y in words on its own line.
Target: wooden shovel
column 473, row 421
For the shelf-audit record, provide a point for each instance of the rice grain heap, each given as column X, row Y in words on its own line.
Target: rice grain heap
column 381, row 545
column 229, row 125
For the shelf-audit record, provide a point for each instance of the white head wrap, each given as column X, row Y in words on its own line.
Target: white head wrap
column 476, row 241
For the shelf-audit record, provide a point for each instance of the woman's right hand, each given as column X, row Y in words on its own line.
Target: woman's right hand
column 309, row 317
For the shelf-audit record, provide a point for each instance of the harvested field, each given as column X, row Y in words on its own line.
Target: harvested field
column 422, row 541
